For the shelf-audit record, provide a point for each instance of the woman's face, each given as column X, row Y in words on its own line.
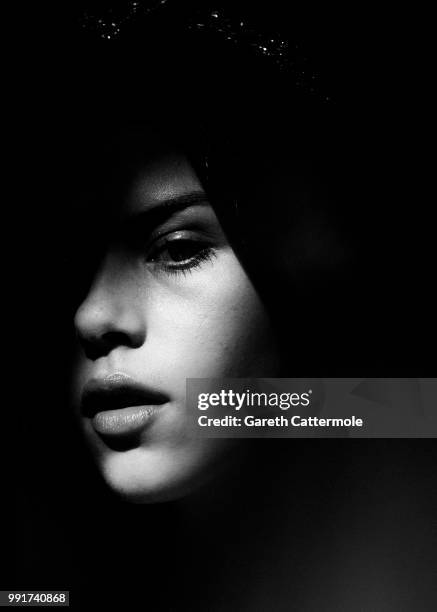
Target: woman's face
column 170, row 301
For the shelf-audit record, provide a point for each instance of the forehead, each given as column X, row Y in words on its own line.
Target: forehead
column 159, row 179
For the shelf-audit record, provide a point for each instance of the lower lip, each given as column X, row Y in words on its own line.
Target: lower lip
column 123, row 421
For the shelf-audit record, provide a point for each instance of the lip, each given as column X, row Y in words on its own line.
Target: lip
column 119, row 405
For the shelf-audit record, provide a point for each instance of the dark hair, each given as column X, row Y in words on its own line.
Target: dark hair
column 268, row 143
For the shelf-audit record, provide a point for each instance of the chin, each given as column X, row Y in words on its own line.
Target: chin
column 146, row 476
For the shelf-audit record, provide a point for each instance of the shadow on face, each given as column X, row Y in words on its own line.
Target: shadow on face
column 168, row 300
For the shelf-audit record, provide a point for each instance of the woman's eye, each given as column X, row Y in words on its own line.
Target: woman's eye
column 178, row 251
column 180, row 254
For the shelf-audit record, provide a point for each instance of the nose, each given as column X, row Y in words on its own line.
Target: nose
column 111, row 315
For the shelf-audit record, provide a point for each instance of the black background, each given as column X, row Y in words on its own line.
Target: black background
column 365, row 521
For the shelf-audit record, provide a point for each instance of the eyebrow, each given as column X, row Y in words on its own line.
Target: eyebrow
column 160, row 211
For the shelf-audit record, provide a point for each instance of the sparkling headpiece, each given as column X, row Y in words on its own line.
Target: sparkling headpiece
column 112, row 22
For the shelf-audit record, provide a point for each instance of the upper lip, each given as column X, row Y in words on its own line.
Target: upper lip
column 117, row 391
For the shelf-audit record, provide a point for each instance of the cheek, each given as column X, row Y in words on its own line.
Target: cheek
column 215, row 325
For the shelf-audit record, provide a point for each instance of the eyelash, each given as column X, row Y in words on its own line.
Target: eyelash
column 205, row 253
